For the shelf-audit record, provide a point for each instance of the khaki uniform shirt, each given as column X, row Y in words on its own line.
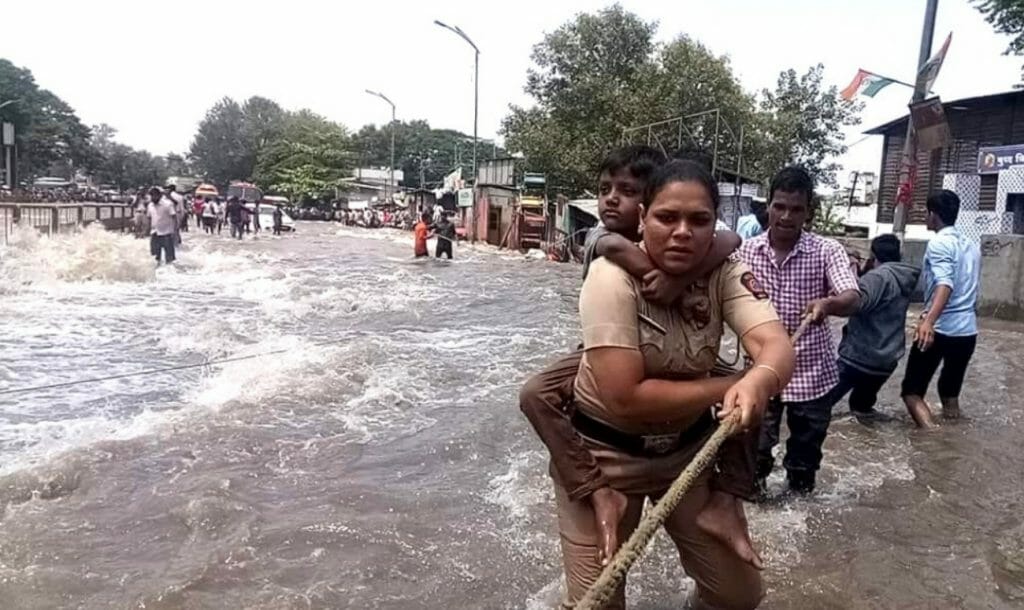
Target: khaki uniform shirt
column 678, row 342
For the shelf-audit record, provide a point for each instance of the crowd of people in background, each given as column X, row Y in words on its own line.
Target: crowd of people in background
column 165, row 214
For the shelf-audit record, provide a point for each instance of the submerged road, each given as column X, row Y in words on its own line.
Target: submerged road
column 381, row 461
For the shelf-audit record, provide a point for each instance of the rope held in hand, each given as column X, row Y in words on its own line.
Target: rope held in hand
column 601, row 592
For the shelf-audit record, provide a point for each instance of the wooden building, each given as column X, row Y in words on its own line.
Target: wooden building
column 977, row 125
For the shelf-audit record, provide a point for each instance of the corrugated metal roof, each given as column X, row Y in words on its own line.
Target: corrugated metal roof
column 587, row 206
column 960, row 105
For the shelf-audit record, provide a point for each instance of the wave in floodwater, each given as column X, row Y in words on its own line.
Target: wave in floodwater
column 378, row 458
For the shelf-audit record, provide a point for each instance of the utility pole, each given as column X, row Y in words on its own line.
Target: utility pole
column 391, row 178
column 853, row 189
column 908, row 161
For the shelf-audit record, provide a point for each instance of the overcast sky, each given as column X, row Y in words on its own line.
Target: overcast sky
column 152, row 73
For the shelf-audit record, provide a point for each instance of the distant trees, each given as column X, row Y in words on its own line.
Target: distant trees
column 47, row 130
column 600, row 73
column 1006, row 17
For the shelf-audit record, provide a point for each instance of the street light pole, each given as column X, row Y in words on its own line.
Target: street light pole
column 391, row 178
column 476, row 102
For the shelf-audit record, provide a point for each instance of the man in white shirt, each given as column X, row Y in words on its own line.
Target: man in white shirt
column 179, row 210
column 163, row 220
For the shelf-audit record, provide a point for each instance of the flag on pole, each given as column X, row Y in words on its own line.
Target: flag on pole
column 865, row 83
column 930, row 70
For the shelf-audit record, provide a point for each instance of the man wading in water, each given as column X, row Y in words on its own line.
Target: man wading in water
column 874, row 339
column 797, row 269
column 643, row 395
column 948, row 331
column 546, row 398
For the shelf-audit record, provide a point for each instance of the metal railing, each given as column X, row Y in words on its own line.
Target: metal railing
column 52, row 218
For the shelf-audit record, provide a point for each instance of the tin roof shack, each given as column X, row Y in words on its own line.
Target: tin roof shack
column 983, row 163
column 496, row 198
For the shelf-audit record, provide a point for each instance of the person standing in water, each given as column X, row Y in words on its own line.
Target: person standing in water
column 235, row 217
column 163, row 221
column 420, row 233
column 948, row 331
column 797, row 268
column 278, row 219
column 210, row 216
column 444, row 230
column 643, row 395
column 874, row 338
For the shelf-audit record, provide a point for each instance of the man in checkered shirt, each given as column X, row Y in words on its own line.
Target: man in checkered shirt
column 795, row 268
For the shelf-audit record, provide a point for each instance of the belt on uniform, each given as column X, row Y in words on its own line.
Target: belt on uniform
column 642, row 445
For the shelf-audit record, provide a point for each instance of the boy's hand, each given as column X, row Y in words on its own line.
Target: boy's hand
column 660, row 287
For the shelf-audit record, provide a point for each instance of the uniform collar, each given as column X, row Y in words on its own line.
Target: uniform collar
column 948, row 230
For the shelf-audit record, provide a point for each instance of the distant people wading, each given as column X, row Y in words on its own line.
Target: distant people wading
column 444, row 230
column 256, row 217
column 235, row 217
column 163, row 220
column 210, row 215
column 278, row 219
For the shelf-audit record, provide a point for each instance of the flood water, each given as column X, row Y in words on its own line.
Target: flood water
column 380, row 461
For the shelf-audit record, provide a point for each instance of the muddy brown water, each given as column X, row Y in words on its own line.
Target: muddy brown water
column 381, row 462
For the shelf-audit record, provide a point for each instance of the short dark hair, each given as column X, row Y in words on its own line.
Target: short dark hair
column 792, row 179
column 886, row 248
column 425, row 216
column 681, row 171
column 638, row 159
column 946, row 205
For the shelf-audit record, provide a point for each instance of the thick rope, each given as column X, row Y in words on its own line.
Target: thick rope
column 601, row 592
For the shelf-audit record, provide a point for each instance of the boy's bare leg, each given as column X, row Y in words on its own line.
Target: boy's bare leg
column 723, row 518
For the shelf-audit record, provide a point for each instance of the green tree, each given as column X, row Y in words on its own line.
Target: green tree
column 585, row 81
column 307, row 160
column 600, row 73
column 47, row 130
column 802, row 123
column 219, row 150
column 420, row 151
column 1006, row 17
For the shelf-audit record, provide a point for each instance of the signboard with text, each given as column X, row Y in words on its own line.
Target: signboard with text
column 993, row 159
column 465, row 198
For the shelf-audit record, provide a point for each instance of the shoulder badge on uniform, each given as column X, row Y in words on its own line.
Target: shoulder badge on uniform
column 750, row 283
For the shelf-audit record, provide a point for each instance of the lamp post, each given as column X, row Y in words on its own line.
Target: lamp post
column 476, row 100
column 391, row 178
column 7, row 147
column 476, row 82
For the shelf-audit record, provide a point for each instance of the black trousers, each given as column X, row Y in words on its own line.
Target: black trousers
column 863, row 387
column 954, row 353
column 808, row 426
column 162, row 243
column 443, row 247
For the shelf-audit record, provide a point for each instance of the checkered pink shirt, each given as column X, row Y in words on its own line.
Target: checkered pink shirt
column 816, row 268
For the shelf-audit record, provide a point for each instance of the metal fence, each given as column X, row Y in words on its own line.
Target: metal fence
column 62, row 217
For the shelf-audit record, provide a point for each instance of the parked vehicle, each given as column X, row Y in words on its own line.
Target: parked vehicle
column 267, row 206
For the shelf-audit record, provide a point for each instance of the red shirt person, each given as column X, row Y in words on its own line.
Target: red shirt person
column 420, row 233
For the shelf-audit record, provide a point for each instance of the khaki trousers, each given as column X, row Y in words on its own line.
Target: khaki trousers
column 723, row 579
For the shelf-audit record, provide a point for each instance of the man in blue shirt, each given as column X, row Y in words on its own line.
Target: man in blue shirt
column 948, row 331
column 754, row 223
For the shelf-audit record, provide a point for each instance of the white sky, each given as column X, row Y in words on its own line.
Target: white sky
column 153, row 72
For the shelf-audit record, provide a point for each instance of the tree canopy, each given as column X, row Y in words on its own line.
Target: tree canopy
column 601, row 73
column 47, row 130
column 1006, row 17
column 425, row 155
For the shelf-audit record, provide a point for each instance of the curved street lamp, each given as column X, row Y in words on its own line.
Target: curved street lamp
column 391, row 178
column 476, row 82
